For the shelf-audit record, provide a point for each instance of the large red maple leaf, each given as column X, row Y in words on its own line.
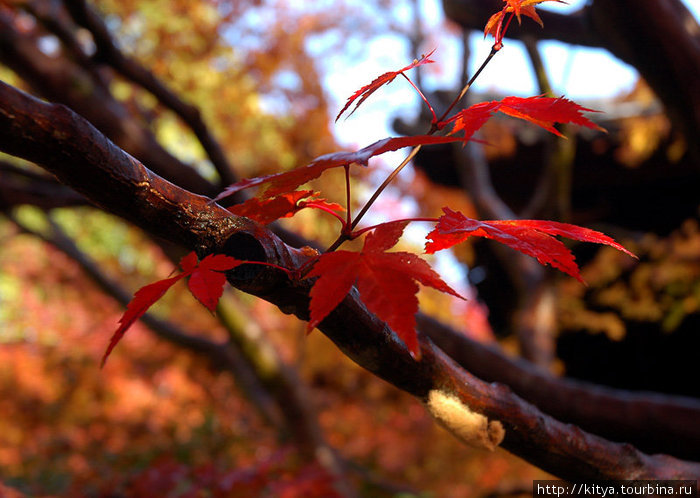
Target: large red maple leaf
column 387, row 282
column 532, row 237
column 206, row 284
column 542, row 111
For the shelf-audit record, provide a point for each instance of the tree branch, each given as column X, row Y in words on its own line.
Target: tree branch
column 108, row 52
column 61, row 80
column 79, row 155
column 19, row 186
column 570, row 28
column 657, row 423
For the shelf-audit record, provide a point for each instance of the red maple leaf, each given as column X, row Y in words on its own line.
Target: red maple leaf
column 282, row 183
column 387, row 282
column 384, row 79
column 283, row 206
column 494, row 26
column 207, row 279
column 206, row 284
column 532, row 237
column 542, row 111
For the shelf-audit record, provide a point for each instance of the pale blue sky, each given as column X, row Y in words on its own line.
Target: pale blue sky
column 576, row 72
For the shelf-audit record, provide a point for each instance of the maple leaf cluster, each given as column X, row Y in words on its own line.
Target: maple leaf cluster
column 206, row 284
column 388, row 281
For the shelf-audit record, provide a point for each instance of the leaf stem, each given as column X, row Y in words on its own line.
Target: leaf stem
column 422, row 97
column 348, row 206
column 464, row 90
column 314, row 205
column 343, row 237
column 435, row 126
column 290, row 273
column 385, row 184
column 367, row 229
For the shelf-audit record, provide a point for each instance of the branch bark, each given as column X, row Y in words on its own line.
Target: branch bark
column 109, row 52
column 657, row 423
column 69, row 147
column 19, row 186
column 61, row 80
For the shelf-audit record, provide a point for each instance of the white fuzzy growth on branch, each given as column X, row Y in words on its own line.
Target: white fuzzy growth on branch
column 471, row 427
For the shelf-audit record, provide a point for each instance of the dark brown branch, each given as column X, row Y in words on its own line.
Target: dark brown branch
column 571, row 28
column 656, row 422
column 108, row 52
column 136, row 193
column 661, row 39
column 61, row 80
column 55, row 20
column 78, row 155
column 19, row 186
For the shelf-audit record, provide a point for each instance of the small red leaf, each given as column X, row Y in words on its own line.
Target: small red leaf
column 542, row 111
column 143, row 299
column 387, row 282
column 282, row 183
column 219, row 262
column 545, row 111
column 268, row 210
column 337, row 270
column 207, row 282
column 322, row 204
column 470, row 120
column 532, row 237
column 378, row 82
column 519, row 7
column 384, row 236
column 189, row 262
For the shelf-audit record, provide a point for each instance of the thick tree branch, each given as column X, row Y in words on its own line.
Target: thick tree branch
column 661, row 39
column 136, row 193
column 108, row 52
column 572, row 28
column 78, row 155
column 19, row 186
column 656, row 422
column 61, row 80
column 56, row 20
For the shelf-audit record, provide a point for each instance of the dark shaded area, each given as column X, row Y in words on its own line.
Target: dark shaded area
column 655, row 196
column 646, row 359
